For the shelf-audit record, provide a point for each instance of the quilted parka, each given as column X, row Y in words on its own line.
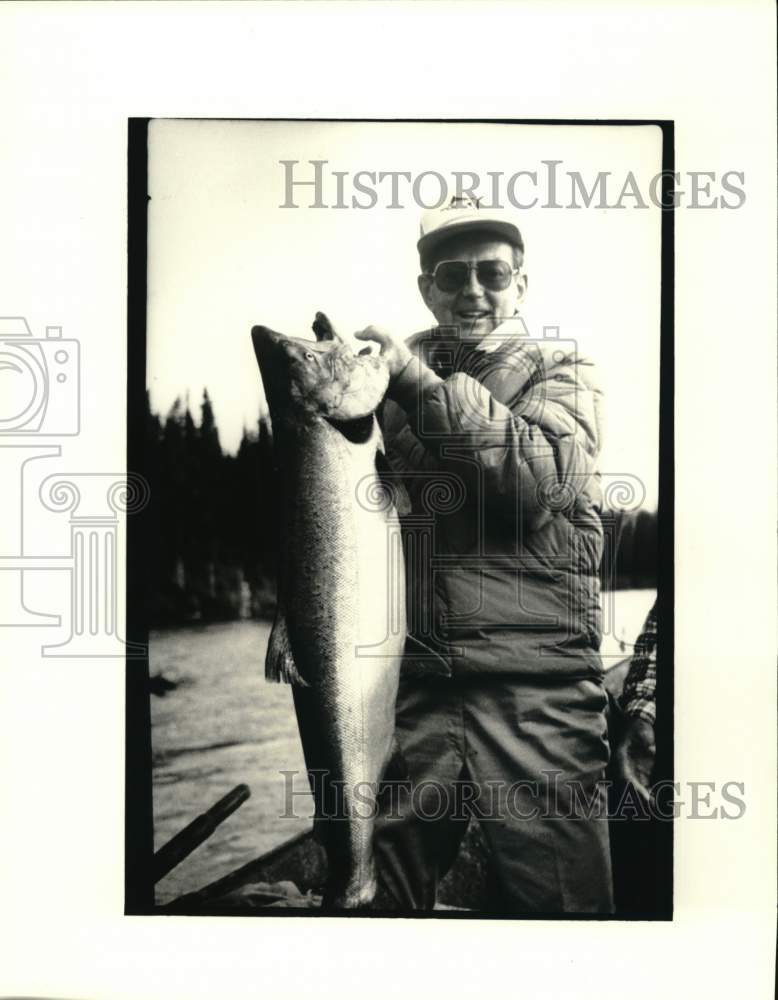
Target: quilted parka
column 497, row 447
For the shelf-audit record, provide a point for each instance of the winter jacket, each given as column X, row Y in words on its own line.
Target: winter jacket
column 497, row 447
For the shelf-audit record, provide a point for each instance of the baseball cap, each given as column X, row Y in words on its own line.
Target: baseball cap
column 462, row 213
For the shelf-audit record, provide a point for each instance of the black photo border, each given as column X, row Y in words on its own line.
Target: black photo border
column 139, row 838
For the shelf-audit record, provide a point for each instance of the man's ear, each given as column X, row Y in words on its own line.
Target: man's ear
column 522, row 283
column 424, row 281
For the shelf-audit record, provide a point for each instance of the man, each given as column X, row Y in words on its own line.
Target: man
column 641, row 847
column 496, row 437
column 635, row 754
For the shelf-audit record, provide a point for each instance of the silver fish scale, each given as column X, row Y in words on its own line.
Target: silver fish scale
column 325, row 573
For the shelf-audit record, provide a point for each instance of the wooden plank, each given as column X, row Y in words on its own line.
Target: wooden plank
column 199, row 830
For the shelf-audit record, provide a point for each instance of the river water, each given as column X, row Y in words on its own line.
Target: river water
column 224, row 725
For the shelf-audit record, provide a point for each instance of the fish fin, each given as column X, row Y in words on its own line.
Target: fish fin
column 420, row 661
column 279, row 662
column 323, row 329
column 391, row 482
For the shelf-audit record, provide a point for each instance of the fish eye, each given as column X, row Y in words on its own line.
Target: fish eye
column 308, row 356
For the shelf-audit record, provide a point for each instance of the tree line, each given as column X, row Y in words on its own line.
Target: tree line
column 212, row 524
column 212, row 520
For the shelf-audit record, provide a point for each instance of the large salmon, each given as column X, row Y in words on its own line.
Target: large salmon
column 340, row 629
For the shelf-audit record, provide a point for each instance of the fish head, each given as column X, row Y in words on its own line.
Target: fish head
column 305, row 379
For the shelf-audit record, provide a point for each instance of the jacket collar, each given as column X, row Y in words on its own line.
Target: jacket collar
column 442, row 349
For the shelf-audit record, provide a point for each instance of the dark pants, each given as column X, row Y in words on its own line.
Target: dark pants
column 526, row 759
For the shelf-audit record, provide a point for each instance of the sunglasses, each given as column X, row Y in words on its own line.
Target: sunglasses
column 451, row 275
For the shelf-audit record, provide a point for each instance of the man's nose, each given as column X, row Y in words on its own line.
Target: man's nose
column 473, row 286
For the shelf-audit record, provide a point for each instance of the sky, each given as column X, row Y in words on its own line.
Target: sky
column 225, row 253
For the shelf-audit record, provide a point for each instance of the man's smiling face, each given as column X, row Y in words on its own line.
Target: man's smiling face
column 475, row 310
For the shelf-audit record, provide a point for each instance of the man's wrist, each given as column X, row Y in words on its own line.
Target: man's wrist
column 413, row 381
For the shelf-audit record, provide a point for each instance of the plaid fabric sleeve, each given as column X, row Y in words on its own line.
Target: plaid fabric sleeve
column 638, row 698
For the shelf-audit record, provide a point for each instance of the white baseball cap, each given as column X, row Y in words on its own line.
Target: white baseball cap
column 462, row 213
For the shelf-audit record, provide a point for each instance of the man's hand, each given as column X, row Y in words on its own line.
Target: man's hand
column 393, row 350
column 634, row 758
